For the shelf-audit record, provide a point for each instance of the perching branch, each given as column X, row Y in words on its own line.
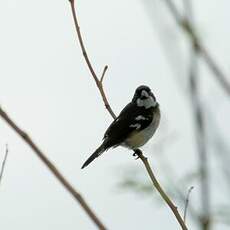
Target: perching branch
column 108, row 107
column 186, row 25
column 160, row 190
column 3, row 164
column 77, row 196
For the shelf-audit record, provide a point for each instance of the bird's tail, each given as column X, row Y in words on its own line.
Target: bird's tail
column 96, row 154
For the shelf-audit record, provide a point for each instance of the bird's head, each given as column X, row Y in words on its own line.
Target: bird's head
column 144, row 97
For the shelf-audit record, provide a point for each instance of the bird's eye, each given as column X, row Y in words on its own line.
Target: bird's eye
column 143, row 97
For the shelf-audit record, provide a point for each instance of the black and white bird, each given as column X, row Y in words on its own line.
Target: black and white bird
column 134, row 126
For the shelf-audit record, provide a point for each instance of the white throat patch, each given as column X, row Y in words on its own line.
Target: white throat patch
column 144, row 93
column 147, row 103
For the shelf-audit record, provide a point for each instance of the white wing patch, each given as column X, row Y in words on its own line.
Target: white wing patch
column 117, row 119
column 140, row 117
column 137, row 126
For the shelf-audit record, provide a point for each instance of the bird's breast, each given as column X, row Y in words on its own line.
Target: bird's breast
column 139, row 138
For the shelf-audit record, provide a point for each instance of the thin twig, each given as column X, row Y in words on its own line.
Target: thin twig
column 187, row 202
column 77, row 196
column 140, row 154
column 210, row 61
column 103, row 74
column 3, row 164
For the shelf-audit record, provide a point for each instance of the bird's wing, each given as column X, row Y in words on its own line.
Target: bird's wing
column 129, row 120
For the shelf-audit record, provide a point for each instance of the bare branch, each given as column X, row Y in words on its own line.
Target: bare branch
column 106, row 103
column 93, row 73
column 108, row 107
column 77, row 196
column 3, row 164
column 187, row 202
column 72, row 2
column 161, row 191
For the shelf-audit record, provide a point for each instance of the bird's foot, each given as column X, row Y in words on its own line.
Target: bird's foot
column 137, row 153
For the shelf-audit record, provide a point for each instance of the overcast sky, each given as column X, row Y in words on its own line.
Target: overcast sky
column 46, row 88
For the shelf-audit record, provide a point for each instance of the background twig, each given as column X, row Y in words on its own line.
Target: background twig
column 187, row 26
column 3, row 163
column 200, row 126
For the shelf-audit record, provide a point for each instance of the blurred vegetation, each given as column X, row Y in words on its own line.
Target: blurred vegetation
column 208, row 140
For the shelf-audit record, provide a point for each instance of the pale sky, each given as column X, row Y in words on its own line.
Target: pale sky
column 46, row 88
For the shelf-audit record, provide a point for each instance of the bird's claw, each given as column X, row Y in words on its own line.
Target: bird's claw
column 137, row 153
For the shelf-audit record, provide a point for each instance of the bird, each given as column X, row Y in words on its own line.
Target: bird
column 134, row 126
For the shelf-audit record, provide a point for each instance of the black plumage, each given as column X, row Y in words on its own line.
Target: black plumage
column 125, row 123
column 132, row 119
